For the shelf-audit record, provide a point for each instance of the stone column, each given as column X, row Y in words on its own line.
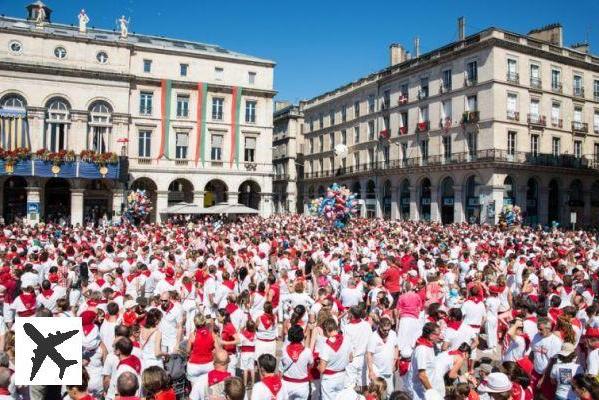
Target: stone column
column 77, row 206
column 33, row 203
column 198, row 198
column 395, row 210
column 543, row 205
column 586, row 213
column 435, row 214
column 35, row 120
column 458, row 204
column 414, row 212
column 378, row 205
column 161, row 203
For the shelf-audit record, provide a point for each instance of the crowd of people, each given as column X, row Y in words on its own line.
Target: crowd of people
column 289, row 307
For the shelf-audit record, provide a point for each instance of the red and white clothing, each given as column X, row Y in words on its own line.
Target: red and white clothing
column 266, row 334
column 383, row 356
column 200, row 359
column 336, row 352
column 171, row 318
column 457, row 333
column 247, row 350
column 127, row 364
column 423, row 359
column 269, row 388
column 543, row 348
column 24, row 305
column 473, row 311
column 295, row 363
column 209, row 384
column 357, row 332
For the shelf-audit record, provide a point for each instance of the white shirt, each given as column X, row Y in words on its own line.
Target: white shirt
column 358, row 334
column 455, row 338
column 114, row 377
column 473, row 312
column 515, row 350
column 593, row 362
column 299, row 368
column 336, row 360
column 443, row 364
column 383, row 352
column 168, row 326
column 562, row 374
column 543, row 348
column 422, row 359
column 261, row 392
column 351, row 296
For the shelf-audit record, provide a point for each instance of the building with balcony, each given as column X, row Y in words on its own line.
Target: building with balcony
column 454, row 134
column 287, row 157
column 188, row 118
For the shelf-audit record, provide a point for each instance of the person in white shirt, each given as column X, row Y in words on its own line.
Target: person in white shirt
column 592, row 339
column 335, row 355
column 127, row 363
column 457, row 332
column 423, row 360
column 171, row 324
column 474, row 309
column 358, row 332
column 518, row 342
column 296, row 359
column 563, row 371
column 381, row 353
column 352, row 295
column 544, row 346
column 270, row 386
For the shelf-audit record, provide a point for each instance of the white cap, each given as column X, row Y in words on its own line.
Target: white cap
column 495, row 382
column 432, row 394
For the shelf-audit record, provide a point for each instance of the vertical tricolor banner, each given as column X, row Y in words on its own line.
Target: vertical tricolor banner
column 201, row 122
column 165, row 108
column 235, row 112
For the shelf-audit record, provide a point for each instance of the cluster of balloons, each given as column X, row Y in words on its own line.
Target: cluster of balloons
column 139, row 206
column 512, row 215
column 338, row 206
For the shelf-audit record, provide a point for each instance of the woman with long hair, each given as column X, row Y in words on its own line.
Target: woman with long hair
column 266, row 331
column 150, row 339
column 229, row 337
column 156, row 384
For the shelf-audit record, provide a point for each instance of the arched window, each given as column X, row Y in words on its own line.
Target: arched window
column 57, row 125
column 100, row 127
column 14, row 131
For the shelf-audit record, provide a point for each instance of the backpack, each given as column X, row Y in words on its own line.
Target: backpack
column 176, row 366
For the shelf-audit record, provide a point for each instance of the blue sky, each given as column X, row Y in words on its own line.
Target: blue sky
column 320, row 45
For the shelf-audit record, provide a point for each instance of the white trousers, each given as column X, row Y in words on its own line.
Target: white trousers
column 410, row 329
column 356, row 373
column 297, row 390
column 195, row 371
column 331, row 385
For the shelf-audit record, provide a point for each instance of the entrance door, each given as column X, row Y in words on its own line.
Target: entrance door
column 15, row 199
column 57, row 198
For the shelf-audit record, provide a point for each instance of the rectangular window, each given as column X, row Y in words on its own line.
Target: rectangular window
column 403, row 123
column 596, row 122
column 472, row 103
column 404, row 153
column 403, row 91
column 145, row 141
column 511, row 143
column 356, row 135
column 471, row 72
column 343, row 113
column 423, row 114
column 356, row 109
column 512, row 70
column 357, row 160
column 556, row 120
column 371, row 103
column 423, row 88
column 183, row 69
column 321, row 143
column 534, row 145
column 332, row 118
column 331, row 163
column 556, row 80
column 344, row 137
column 218, row 73
column 251, row 78
column 216, row 150
column 311, row 145
column 577, row 116
column 446, row 80
column 596, row 151
column 555, row 146
column 596, row 90
column 386, row 153
column 147, row 65
column 182, row 105
column 447, row 147
column 250, row 149
column 331, row 140
column 370, row 156
column 181, row 146
column 577, row 148
column 535, row 76
column 370, row 130
column 534, row 111
column 320, row 121
column 250, row 112
column 145, row 103
column 512, row 100
column 321, row 165
column 472, row 145
column 217, row 108
column 386, row 99
column 577, row 86
column 424, row 150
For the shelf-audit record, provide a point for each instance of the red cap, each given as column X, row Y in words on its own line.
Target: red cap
column 592, row 333
column 169, row 271
column 526, row 365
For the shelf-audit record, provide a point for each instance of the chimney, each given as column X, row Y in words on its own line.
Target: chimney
column 397, row 54
column 416, row 47
column 552, row 33
column 461, row 28
column 583, row 47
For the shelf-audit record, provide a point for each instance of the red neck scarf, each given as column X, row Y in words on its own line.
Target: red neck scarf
column 248, row 335
column 294, row 350
column 230, row 284
column 424, row 342
column 188, row 286
column 455, row 325
column 335, row 345
column 47, row 293
column 267, row 320
column 215, row 377
column 130, row 277
column 100, row 282
column 355, row 320
column 475, row 299
column 133, row 362
column 170, row 280
column 4, row 391
column 28, row 300
column 231, row 308
column 169, row 307
column 273, row 383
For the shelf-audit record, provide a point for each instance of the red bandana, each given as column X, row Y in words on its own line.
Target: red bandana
column 47, row 293
column 28, row 300
column 294, row 351
column 168, row 394
column 100, row 282
column 267, row 320
column 170, row 280
column 424, row 342
column 337, row 343
column 355, row 320
column 188, row 286
column 133, row 362
column 475, row 299
column 455, row 325
column 215, row 377
column 248, row 335
column 229, row 284
column 231, row 308
column 273, row 383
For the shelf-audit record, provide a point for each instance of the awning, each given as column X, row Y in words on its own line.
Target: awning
column 183, row 208
column 229, row 209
